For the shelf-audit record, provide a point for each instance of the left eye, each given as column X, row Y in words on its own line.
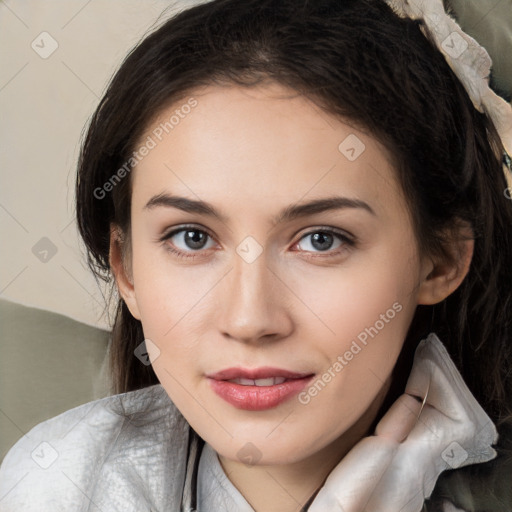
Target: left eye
column 322, row 240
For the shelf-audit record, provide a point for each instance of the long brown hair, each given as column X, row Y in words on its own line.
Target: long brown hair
column 355, row 59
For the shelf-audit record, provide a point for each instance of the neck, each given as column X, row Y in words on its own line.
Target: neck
column 290, row 487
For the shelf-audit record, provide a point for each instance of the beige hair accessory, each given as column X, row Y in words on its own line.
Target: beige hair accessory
column 468, row 60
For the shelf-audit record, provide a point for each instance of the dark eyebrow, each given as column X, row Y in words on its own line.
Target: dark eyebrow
column 286, row 215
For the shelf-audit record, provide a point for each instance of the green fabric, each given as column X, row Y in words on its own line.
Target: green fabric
column 480, row 487
column 489, row 22
column 49, row 363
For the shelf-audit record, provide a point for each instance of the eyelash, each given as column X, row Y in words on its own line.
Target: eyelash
column 348, row 242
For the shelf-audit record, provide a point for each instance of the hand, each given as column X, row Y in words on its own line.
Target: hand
column 397, row 468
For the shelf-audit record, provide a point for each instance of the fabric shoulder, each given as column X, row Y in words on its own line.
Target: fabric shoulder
column 99, row 453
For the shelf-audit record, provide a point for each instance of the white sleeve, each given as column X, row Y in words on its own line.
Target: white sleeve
column 49, row 467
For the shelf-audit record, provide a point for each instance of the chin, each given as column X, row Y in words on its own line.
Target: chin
column 260, row 451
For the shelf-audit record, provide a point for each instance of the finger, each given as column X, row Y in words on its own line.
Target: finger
column 351, row 483
column 400, row 419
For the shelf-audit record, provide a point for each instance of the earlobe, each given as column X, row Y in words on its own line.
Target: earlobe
column 441, row 279
column 121, row 269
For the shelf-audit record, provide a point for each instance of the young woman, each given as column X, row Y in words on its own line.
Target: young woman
column 307, row 222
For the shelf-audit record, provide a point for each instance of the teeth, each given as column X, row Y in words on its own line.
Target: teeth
column 270, row 381
column 245, row 382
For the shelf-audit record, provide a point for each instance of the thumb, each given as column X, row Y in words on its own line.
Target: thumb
column 351, row 483
column 400, row 419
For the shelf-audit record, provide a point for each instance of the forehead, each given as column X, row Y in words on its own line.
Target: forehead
column 263, row 144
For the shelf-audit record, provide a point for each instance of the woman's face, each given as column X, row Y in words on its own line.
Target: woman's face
column 270, row 237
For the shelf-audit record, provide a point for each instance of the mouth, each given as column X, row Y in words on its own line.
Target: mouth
column 257, row 389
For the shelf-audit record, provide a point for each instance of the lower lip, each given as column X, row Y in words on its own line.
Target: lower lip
column 258, row 398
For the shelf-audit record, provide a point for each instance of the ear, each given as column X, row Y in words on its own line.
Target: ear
column 441, row 278
column 120, row 264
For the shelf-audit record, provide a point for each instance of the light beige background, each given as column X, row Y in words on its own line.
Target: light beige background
column 44, row 105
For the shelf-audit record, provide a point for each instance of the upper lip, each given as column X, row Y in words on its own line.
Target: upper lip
column 256, row 373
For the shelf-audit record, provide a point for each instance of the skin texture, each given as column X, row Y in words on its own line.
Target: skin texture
column 250, row 152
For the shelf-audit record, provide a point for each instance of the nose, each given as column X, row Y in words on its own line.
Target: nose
column 253, row 303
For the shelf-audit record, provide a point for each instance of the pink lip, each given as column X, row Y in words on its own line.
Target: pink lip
column 257, row 398
column 256, row 373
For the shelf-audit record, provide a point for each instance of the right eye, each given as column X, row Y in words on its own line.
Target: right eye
column 190, row 238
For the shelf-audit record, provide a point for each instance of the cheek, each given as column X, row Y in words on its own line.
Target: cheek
column 364, row 292
column 175, row 306
column 366, row 313
column 166, row 292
